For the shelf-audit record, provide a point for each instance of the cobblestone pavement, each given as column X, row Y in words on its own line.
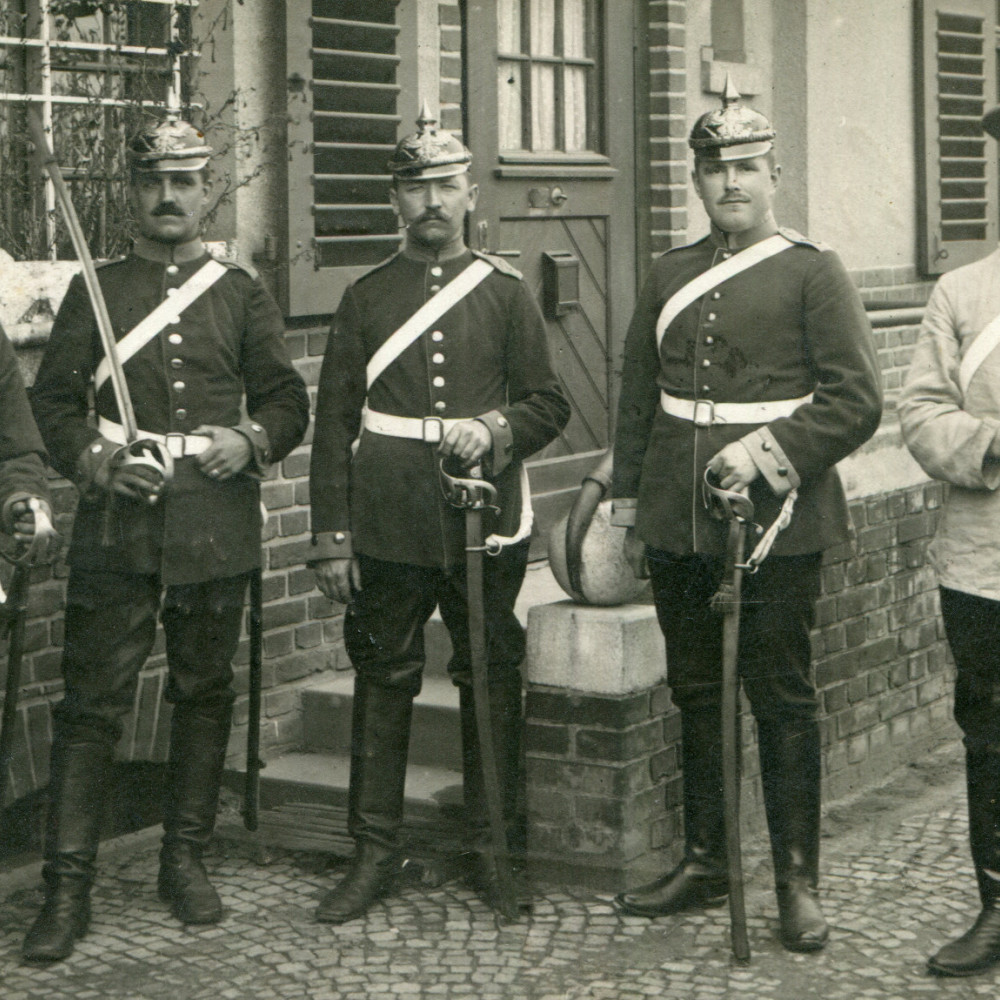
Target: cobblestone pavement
column 897, row 884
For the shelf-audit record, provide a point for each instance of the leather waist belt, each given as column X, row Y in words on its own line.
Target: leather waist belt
column 705, row 412
column 429, row 429
column 179, row 445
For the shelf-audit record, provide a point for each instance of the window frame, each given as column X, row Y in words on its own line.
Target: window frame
column 586, row 161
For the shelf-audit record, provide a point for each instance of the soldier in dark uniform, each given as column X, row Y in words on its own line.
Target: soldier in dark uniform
column 768, row 377
column 476, row 386
column 198, row 339
column 22, row 454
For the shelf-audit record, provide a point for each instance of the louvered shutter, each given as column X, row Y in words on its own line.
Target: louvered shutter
column 956, row 62
column 343, row 123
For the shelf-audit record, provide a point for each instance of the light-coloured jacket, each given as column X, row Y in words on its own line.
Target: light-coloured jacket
column 950, row 420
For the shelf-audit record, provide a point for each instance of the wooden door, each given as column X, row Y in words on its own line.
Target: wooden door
column 549, row 108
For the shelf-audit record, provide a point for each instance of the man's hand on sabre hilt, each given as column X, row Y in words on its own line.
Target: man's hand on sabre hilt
column 138, row 471
column 467, row 441
column 338, row 579
column 734, row 467
column 29, row 520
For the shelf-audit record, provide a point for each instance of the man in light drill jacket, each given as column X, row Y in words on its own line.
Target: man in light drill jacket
column 950, row 412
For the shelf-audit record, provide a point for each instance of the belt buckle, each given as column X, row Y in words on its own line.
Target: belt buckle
column 175, row 444
column 435, row 435
column 700, row 407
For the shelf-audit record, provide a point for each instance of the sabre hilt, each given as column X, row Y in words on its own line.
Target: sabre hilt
column 725, row 504
column 147, row 454
column 469, row 491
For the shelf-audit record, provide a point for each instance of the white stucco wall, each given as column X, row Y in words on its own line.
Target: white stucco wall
column 838, row 81
column 862, row 161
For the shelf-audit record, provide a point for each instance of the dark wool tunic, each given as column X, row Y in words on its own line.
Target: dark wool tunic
column 486, row 357
column 22, row 472
column 227, row 343
column 786, row 327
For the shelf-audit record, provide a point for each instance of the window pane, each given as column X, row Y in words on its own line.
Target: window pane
column 574, row 29
column 543, row 27
column 509, row 91
column 509, row 26
column 543, row 105
column 575, row 108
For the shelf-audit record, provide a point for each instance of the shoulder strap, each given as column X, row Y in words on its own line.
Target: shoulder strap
column 705, row 282
column 145, row 330
column 432, row 310
column 979, row 350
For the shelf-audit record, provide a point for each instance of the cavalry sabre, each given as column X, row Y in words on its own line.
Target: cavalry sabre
column 737, row 509
column 251, row 788
column 473, row 494
column 136, row 451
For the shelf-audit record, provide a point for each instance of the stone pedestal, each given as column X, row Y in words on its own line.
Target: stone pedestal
column 602, row 738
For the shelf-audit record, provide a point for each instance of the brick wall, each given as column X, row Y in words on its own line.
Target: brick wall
column 668, row 152
column 450, row 97
column 604, row 779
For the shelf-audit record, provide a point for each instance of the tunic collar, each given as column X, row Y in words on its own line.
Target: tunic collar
column 168, row 253
column 451, row 252
column 720, row 240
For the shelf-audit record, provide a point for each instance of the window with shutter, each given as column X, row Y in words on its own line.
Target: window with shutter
column 344, row 89
column 957, row 163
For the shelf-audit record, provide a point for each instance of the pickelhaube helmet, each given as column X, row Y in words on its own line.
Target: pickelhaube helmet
column 429, row 152
column 733, row 132
column 172, row 145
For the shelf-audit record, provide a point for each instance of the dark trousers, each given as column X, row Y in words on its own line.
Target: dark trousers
column 972, row 625
column 383, row 626
column 776, row 615
column 110, row 628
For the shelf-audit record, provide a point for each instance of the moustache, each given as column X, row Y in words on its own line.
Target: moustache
column 169, row 208
column 430, row 217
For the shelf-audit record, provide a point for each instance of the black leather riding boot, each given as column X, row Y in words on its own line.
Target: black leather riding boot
column 199, row 734
column 380, row 738
column 507, row 725
column 978, row 949
column 700, row 880
column 790, row 774
column 79, row 779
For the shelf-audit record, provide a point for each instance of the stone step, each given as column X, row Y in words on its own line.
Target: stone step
column 303, row 795
column 435, row 737
column 303, row 803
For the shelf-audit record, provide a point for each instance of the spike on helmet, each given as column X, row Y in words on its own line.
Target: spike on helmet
column 429, row 152
column 732, row 132
column 171, row 145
